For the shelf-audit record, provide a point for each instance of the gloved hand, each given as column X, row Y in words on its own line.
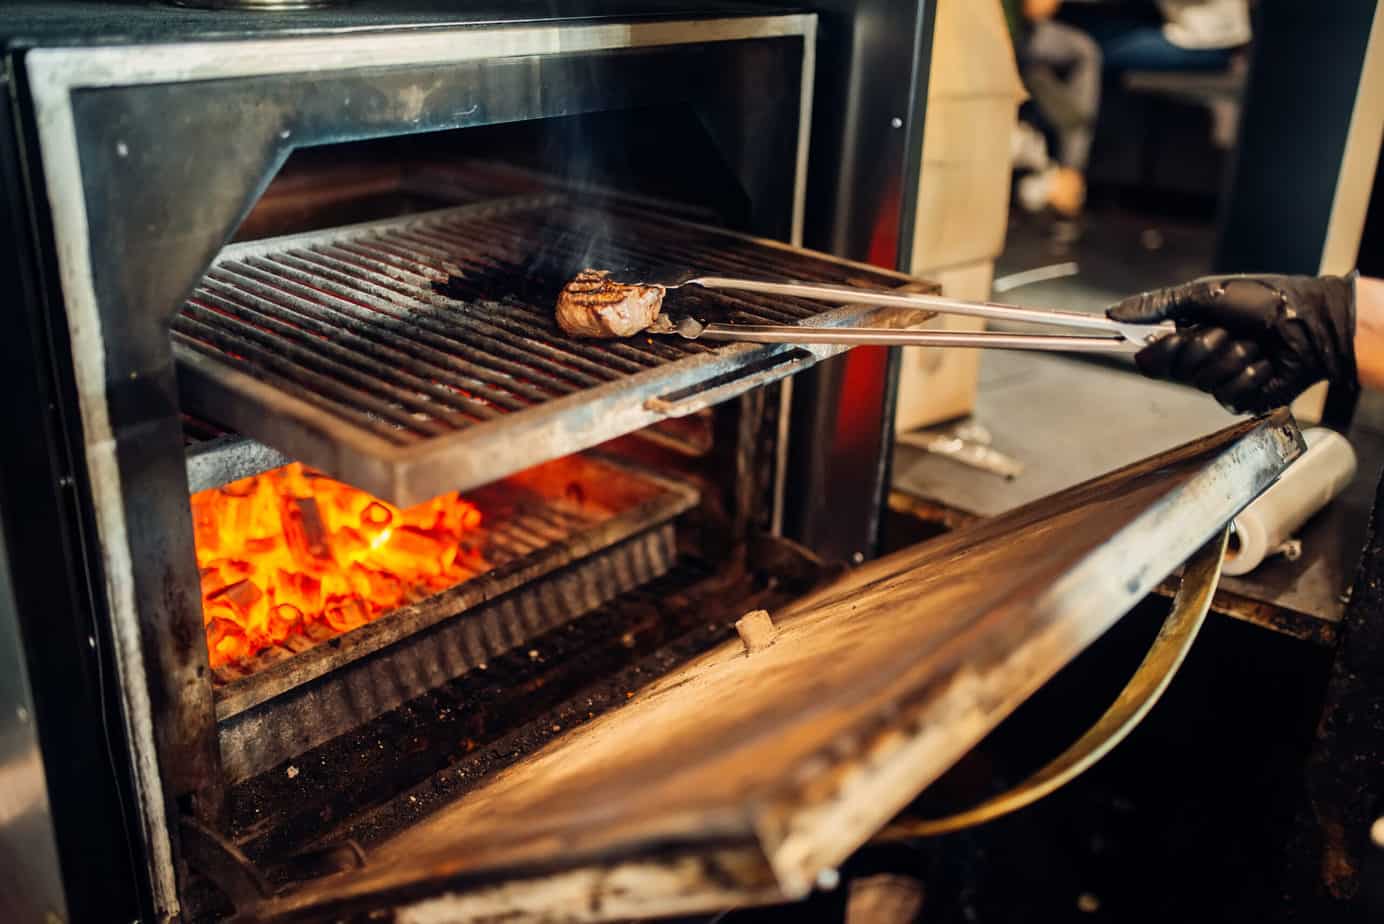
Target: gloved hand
column 1255, row 342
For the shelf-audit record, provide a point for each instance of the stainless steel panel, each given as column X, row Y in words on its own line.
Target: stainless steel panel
column 226, row 458
column 32, row 880
column 867, row 129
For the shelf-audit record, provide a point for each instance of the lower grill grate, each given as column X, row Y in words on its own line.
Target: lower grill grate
column 412, row 357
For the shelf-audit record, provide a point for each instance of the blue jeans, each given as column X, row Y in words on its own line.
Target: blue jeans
column 1130, row 45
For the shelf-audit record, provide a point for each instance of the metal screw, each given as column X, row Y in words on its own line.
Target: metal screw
column 857, row 557
column 828, row 879
column 896, row 122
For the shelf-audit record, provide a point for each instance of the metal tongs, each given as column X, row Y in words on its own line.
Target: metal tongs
column 1110, row 337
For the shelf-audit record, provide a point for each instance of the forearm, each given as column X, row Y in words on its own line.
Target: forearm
column 1369, row 331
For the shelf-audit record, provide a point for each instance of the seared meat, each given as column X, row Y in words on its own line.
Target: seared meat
column 593, row 305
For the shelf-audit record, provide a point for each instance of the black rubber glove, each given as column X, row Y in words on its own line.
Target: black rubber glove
column 1255, row 342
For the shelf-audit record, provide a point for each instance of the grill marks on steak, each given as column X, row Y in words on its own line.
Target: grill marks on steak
column 594, row 305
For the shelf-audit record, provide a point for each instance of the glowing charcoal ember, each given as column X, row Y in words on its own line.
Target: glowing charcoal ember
column 294, row 552
column 376, row 517
column 304, row 534
column 284, row 618
column 302, row 591
column 213, row 610
column 212, row 581
column 358, row 579
column 229, row 569
column 410, row 547
column 384, row 590
column 226, row 641
column 348, row 546
column 206, row 532
column 347, row 614
column 250, row 605
column 242, row 596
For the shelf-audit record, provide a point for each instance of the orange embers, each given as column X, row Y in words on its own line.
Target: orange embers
column 291, row 551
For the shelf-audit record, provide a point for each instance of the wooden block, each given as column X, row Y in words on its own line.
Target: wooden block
column 757, row 630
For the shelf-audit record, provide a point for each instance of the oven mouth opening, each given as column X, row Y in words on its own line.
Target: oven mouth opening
column 292, row 558
column 324, row 606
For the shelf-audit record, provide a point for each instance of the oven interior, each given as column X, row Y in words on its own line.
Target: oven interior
column 371, row 661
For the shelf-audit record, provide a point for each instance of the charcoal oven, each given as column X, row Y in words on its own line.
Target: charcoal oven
column 317, row 529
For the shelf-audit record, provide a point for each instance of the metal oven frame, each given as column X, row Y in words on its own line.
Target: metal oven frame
column 112, row 144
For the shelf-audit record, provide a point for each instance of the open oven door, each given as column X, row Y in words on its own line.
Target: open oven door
column 748, row 775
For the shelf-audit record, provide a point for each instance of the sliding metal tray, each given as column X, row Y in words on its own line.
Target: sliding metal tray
column 418, row 356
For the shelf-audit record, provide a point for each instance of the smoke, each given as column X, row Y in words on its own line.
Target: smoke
column 574, row 153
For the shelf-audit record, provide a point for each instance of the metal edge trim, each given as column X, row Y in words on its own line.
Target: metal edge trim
column 915, row 127
column 57, row 136
column 808, row 84
column 132, row 65
column 781, row 437
column 1204, row 504
column 224, row 378
column 615, row 409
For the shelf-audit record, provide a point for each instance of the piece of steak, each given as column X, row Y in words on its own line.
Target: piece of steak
column 594, row 305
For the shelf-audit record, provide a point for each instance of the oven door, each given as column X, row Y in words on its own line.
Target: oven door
column 749, row 773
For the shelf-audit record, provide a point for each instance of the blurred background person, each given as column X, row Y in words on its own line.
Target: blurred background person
column 1061, row 68
column 1170, row 35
